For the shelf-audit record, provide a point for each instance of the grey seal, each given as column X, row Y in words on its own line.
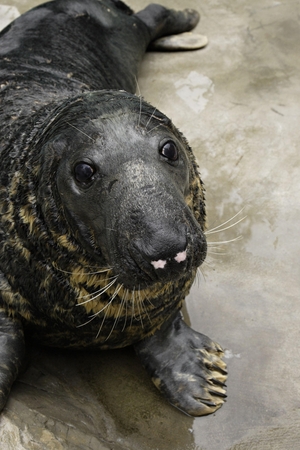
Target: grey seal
column 102, row 206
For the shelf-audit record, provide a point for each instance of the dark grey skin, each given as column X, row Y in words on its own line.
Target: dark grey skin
column 96, row 181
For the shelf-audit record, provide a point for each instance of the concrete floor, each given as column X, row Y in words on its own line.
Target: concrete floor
column 237, row 102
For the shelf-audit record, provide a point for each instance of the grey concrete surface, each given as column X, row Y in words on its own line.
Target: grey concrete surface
column 237, row 102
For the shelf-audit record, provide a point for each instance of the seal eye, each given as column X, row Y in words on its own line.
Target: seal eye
column 83, row 172
column 169, row 151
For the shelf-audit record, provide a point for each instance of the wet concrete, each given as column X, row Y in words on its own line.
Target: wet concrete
column 237, row 102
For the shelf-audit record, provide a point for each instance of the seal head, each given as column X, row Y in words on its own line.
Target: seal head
column 123, row 177
column 110, row 215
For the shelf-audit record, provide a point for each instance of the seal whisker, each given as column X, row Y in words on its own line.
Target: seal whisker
column 118, row 313
column 238, row 238
column 139, row 308
column 226, row 228
column 203, row 274
column 124, row 299
column 215, row 247
column 104, row 287
column 154, row 128
column 141, row 101
column 86, row 323
column 132, row 308
column 197, row 277
column 141, row 300
column 109, row 303
column 218, row 248
column 117, row 290
column 81, row 273
column 146, row 126
column 103, row 320
column 214, row 230
column 207, row 263
column 99, row 293
column 149, row 301
column 93, row 316
column 143, row 306
column 80, row 131
column 122, row 302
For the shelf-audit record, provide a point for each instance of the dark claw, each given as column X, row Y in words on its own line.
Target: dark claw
column 219, row 394
column 219, row 369
column 207, row 402
column 217, row 382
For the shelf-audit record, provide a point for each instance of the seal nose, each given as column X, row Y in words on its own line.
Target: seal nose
column 164, row 249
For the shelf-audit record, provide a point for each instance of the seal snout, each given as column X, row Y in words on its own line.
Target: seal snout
column 167, row 250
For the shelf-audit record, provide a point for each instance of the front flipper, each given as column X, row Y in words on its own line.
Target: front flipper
column 12, row 353
column 186, row 367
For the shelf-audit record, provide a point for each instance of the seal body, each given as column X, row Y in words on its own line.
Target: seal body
column 102, row 207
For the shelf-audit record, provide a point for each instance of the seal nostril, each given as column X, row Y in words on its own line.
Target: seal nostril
column 160, row 264
column 180, row 257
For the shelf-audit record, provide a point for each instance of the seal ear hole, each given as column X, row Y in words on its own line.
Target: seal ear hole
column 84, row 172
column 169, row 151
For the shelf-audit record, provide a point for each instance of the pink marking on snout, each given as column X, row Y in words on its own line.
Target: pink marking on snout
column 181, row 256
column 160, row 264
